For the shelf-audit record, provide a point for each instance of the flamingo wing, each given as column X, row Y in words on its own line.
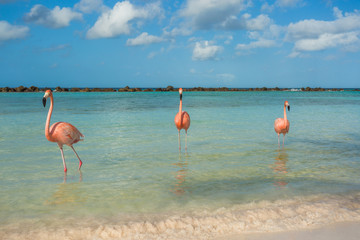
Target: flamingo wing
column 65, row 133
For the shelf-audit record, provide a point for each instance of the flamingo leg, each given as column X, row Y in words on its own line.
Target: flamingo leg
column 63, row 158
column 80, row 162
column 179, row 140
column 279, row 140
column 186, row 140
column 283, row 140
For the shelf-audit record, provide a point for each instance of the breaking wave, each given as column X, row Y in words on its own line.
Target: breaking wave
column 264, row 216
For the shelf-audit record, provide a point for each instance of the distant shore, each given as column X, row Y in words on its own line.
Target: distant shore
column 169, row 89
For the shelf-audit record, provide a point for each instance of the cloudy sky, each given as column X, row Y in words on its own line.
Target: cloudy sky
column 156, row 43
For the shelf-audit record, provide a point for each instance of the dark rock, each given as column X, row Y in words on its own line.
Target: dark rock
column 6, row 89
column 58, row 89
column 125, row 89
column 45, row 88
column 34, row 89
column 108, row 90
column 148, row 90
column 86, row 90
column 20, row 89
column 75, row 89
column 169, row 88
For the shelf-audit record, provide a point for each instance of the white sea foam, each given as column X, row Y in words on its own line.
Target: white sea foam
column 265, row 216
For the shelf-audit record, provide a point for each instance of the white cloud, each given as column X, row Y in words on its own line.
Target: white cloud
column 56, row 18
column 228, row 40
column 152, row 55
column 208, row 14
column 205, row 51
column 89, row 6
column 266, row 7
column 265, row 39
column 316, row 35
column 258, row 23
column 143, row 39
column 182, row 31
column 56, row 48
column 314, row 28
column 10, row 32
column 327, row 40
column 245, row 22
column 225, row 77
column 261, row 43
column 117, row 21
column 337, row 12
column 288, row 3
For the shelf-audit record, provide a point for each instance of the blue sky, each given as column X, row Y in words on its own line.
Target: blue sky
column 209, row 43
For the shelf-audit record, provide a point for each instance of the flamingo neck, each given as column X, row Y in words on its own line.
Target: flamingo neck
column 47, row 125
column 285, row 118
column 180, row 106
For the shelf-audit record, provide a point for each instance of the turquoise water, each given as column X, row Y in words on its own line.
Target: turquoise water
column 133, row 171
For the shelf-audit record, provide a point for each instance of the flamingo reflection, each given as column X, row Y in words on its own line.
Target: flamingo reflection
column 67, row 193
column 179, row 187
column 280, row 168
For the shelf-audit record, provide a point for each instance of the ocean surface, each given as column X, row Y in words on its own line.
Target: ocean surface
column 136, row 184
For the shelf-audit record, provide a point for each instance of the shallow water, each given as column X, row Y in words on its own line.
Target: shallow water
column 133, row 171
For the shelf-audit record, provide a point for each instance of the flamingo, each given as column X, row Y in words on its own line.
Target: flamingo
column 182, row 120
column 282, row 125
column 61, row 132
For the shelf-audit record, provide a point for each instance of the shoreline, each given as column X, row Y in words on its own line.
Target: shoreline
column 171, row 89
column 279, row 219
column 335, row 231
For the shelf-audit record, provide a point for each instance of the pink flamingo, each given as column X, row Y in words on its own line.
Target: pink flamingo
column 61, row 132
column 182, row 120
column 282, row 125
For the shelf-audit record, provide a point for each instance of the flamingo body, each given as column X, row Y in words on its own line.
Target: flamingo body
column 282, row 125
column 64, row 133
column 61, row 132
column 182, row 121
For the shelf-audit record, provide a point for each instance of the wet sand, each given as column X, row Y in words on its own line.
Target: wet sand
column 343, row 231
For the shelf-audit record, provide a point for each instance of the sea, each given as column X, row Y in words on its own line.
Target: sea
column 134, row 183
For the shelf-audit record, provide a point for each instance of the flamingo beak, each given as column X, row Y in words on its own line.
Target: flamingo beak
column 180, row 96
column 44, row 101
column 289, row 108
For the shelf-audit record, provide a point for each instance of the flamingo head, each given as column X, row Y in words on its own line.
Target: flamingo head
column 287, row 105
column 180, row 92
column 47, row 94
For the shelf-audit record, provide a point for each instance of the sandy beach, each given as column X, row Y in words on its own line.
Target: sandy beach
column 344, row 231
